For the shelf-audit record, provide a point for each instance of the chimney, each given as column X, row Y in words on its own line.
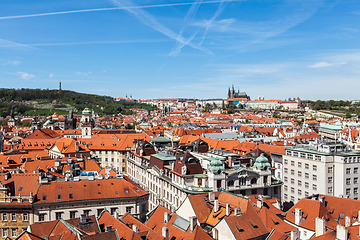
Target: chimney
column 237, row 212
column 259, row 202
column 116, row 215
column 83, row 218
column 166, row 217
column 216, row 205
column 298, row 216
column 193, row 222
column 341, row 232
column 135, row 228
column 215, row 234
column 165, row 232
column 359, row 216
column 347, row 221
column 211, row 196
column 295, row 234
column 319, row 226
column 322, row 199
column 228, row 209
column 76, row 146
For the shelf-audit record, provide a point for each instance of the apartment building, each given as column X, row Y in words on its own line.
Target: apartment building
column 329, row 168
column 170, row 179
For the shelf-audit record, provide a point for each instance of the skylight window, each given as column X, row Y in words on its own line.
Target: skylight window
column 20, row 188
column 126, row 191
column 44, row 198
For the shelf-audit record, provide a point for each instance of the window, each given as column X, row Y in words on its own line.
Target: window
column 356, row 170
column 292, row 189
column 13, row 217
column 302, row 155
column 356, row 180
column 285, row 170
column 285, row 187
column 285, row 196
column 128, row 209
column 348, row 181
column 112, row 159
column 356, row 190
column 348, row 191
column 292, row 163
column 99, row 211
column 330, row 189
column 25, row 217
column 299, row 164
column 314, row 187
column 285, row 179
column 288, row 153
column 330, row 169
column 106, row 159
column 113, row 210
column 306, row 194
column 70, row 196
column 285, row 161
column 87, row 212
column 5, row 232
column 292, row 171
column 317, row 158
column 306, row 166
column 314, row 168
column 13, row 232
column 72, row 214
column 59, row 197
column 4, row 217
column 299, row 182
column 299, row 191
column 299, row 174
column 348, row 171
column 330, row 179
column 296, row 154
column 306, row 175
column 306, row 184
column 310, row 156
column 58, row 215
column 123, row 169
column 143, row 208
column 41, row 217
column 314, row 177
column 292, row 198
column 292, row 180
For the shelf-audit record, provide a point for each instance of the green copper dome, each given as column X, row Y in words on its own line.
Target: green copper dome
column 261, row 162
column 216, row 165
column 86, row 111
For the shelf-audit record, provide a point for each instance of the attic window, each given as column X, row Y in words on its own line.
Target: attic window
column 112, row 183
column 84, row 185
column 20, row 188
column 137, row 190
column 44, row 198
column 99, row 192
column 70, row 186
column 98, row 184
column 60, row 186
column 126, row 191
column 70, row 196
column 59, row 197
column 276, row 223
column 116, row 192
column 254, row 226
column 240, row 230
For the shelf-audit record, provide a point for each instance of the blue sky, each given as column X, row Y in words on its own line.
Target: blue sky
column 156, row 49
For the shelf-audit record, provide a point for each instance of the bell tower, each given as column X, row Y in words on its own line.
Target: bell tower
column 86, row 125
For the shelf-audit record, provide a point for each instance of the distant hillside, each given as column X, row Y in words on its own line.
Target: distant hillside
column 44, row 102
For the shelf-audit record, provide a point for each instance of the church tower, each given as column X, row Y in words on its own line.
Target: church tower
column 86, row 125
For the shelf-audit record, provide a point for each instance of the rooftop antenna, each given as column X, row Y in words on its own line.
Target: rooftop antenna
column 60, row 85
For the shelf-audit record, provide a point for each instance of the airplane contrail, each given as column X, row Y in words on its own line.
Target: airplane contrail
column 109, row 9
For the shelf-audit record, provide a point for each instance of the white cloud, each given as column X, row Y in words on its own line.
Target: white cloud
column 83, row 73
column 25, row 75
column 51, row 75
